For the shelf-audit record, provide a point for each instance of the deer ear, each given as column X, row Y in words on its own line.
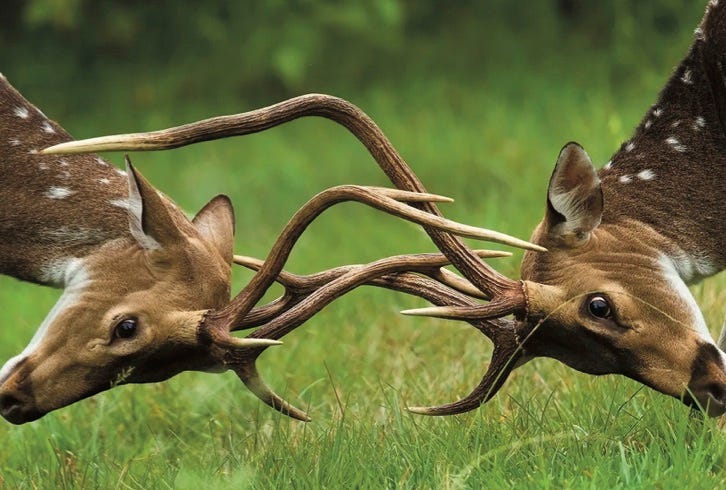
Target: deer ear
column 150, row 221
column 215, row 222
column 574, row 197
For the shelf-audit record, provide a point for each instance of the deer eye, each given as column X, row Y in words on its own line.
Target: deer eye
column 599, row 307
column 125, row 329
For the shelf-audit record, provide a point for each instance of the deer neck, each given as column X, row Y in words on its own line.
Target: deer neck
column 55, row 210
column 671, row 175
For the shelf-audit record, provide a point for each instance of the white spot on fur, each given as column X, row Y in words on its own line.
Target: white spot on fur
column 59, row 192
column 120, row 203
column 104, row 181
column 675, row 124
column 122, row 173
column 608, row 165
column 63, row 162
column 658, row 112
column 625, row 179
column 21, row 112
column 630, row 146
column 101, row 161
column 699, row 34
column 646, row 174
column 43, row 166
column 648, row 124
column 47, row 128
column 69, row 273
column 14, row 142
column 33, row 152
column 75, row 235
column 699, row 123
column 675, row 144
column 687, row 77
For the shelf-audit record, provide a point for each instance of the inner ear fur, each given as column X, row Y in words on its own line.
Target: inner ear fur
column 215, row 222
column 150, row 220
column 574, row 197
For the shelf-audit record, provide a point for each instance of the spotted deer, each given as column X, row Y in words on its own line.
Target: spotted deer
column 609, row 295
column 141, row 282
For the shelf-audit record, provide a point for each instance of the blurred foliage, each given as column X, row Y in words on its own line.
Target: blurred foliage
column 279, row 47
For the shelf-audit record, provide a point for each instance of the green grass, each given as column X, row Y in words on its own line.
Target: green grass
column 490, row 143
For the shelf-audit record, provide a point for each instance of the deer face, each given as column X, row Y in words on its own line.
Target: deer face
column 130, row 311
column 610, row 301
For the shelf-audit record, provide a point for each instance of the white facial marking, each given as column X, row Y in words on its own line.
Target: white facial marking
column 69, row 273
column 630, row 146
column 59, row 192
column 625, row 179
column 21, row 112
column 646, row 174
column 47, row 128
column 687, row 78
column 677, row 284
column 675, row 144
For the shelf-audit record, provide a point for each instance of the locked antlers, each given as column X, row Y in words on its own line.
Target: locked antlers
column 418, row 275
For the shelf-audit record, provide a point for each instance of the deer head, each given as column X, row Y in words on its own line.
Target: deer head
column 130, row 310
column 607, row 297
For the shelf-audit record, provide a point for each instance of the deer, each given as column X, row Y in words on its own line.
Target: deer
column 608, row 291
column 140, row 279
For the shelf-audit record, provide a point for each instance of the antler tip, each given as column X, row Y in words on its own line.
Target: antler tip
column 432, row 311
column 252, row 342
column 52, row 150
column 420, row 410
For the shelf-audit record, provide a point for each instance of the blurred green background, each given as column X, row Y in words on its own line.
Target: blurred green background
column 479, row 96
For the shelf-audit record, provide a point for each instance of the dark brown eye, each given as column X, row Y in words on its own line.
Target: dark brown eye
column 125, row 329
column 599, row 307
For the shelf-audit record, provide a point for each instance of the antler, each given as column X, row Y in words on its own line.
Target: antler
column 507, row 296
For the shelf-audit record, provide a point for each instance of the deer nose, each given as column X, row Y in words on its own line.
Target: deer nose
column 714, row 399
column 16, row 410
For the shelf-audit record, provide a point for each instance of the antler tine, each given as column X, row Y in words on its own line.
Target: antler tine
column 357, row 122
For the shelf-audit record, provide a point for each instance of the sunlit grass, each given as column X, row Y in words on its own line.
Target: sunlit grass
column 358, row 364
